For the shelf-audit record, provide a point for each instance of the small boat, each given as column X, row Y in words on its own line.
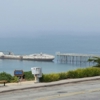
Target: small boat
column 37, row 57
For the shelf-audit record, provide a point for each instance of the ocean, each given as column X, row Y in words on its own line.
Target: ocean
column 49, row 44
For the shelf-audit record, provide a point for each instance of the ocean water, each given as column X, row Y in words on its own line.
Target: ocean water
column 50, row 44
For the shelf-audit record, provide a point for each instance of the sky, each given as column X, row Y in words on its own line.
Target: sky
column 37, row 17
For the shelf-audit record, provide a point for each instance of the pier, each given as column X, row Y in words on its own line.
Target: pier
column 74, row 58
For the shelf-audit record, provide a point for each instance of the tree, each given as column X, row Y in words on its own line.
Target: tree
column 95, row 60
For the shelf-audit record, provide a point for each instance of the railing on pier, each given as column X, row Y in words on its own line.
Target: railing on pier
column 73, row 57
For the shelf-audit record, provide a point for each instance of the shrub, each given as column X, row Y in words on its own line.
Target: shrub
column 95, row 71
column 79, row 73
column 14, row 79
column 49, row 77
column 5, row 76
column 72, row 74
column 28, row 75
column 86, row 72
column 62, row 75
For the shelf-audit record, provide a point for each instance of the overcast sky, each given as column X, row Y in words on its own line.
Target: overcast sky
column 32, row 17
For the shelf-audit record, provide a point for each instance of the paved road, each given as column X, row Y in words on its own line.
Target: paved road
column 89, row 90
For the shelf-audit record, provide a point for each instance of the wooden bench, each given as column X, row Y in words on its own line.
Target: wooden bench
column 3, row 81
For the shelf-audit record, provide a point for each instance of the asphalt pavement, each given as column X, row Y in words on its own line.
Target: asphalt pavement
column 31, row 84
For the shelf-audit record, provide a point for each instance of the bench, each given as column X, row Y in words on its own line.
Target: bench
column 3, row 81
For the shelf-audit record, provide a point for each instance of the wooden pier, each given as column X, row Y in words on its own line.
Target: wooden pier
column 74, row 58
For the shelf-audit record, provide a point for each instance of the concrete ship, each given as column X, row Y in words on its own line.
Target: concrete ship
column 35, row 57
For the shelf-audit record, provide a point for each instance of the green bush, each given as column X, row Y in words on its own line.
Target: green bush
column 5, row 76
column 86, row 72
column 14, row 79
column 28, row 75
column 89, row 72
column 72, row 74
column 62, row 75
column 79, row 73
column 49, row 77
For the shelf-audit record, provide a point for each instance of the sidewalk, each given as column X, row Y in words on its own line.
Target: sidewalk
column 30, row 84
